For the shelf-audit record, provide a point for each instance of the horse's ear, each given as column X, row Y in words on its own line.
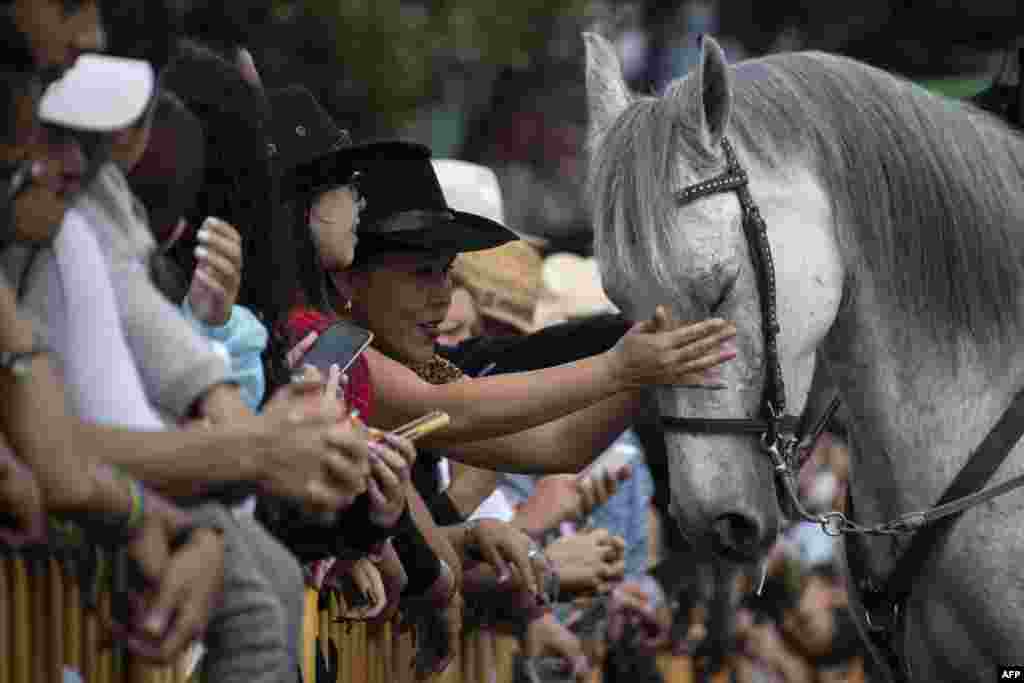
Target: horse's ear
column 607, row 94
column 713, row 103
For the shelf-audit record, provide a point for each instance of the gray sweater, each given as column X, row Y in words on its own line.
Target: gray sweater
column 177, row 363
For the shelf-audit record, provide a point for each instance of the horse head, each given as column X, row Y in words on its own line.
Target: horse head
column 695, row 258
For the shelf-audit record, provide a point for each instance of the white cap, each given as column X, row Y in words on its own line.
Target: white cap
column 470, row 188
column 99, row 94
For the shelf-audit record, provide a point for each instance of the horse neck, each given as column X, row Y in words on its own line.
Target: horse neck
column 916, row 415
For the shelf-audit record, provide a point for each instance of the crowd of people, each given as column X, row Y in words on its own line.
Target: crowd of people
column 177, row 239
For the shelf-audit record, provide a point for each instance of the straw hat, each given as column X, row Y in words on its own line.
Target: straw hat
column 505, row 282
column 573, row 289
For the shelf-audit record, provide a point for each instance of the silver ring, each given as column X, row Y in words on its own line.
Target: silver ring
column 534, row 552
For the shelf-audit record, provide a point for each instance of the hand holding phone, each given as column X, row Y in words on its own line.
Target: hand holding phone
column 340, row 344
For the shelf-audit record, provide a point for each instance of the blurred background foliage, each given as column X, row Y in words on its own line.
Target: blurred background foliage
column 501, row 83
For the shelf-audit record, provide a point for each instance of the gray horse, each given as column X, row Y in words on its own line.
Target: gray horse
column 895, row 218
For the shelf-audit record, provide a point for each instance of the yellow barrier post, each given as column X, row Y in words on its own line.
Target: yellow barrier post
column 22, row 624
column 6, row 635
column 310, row 624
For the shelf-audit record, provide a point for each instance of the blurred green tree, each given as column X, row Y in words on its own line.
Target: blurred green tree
column 397, row 51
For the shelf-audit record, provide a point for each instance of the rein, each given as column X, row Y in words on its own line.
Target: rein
column 783, row 437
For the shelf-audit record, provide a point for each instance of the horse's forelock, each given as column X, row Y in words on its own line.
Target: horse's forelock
column 634, row 168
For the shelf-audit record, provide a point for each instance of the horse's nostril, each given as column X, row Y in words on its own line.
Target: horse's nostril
column 737, row 534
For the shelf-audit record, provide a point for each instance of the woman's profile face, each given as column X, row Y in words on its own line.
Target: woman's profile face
column 333, row 219
column 403, row 300
column 43, row 198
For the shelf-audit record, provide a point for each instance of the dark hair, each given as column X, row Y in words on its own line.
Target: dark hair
column 225, row 26
column 240, row 186
column 143, row 30
column 312, row 279
column 169, row 175
column 17, row 71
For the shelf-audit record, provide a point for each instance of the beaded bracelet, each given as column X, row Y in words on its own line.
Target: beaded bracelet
column 115, row 529
column 137, row 514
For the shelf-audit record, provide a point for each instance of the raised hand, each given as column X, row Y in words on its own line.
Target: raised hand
column 561, row 498
column 546, row 637
column 657, row 352
column 391, row 460
column 218, row 274
column 299, row 351
column 640, row 604
column 506, row 548
column 316, row 458
column 588, row 562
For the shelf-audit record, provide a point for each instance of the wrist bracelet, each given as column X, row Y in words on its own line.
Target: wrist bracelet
column 137, row 514
column 115, row 529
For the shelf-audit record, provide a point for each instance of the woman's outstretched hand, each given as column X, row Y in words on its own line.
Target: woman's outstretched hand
column 658, row 352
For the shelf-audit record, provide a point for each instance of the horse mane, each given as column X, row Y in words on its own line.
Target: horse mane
column 927, row 193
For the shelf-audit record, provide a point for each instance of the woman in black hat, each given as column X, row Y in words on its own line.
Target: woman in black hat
column 406, row 226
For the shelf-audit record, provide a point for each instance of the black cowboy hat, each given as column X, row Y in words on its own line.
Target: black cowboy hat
column 312, row 152
column 305, row 142
column 406, row 210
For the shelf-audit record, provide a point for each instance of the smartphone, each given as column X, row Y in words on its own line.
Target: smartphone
column 421, row 426
column 340, row 344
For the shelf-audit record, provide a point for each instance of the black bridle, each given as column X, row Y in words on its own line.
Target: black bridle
column 784, row 437
column 780, row 434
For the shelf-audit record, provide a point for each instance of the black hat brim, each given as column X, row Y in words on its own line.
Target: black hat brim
column 459, row 232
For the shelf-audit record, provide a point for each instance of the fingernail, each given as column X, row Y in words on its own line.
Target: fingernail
column 38, row 168
column 581, row 665
column 201, row 252
column 203, row 235
column 729, row 346
column 713, row 375
column 504, row 576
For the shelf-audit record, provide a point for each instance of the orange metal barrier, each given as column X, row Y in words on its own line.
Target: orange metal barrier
column 44, row 628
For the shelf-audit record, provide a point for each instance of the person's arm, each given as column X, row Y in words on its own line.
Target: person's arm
column 565, row 445
column 470, row 487
column 287, row 450
column 490, row 407
column 433, row 534
column 244, row 338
